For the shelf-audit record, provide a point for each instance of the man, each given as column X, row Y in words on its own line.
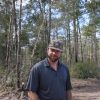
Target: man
column 49, row 79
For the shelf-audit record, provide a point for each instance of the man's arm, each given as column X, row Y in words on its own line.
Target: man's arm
column 69, row 95
column 33, row 95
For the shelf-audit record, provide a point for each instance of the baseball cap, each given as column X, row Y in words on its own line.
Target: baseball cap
column 56, row 44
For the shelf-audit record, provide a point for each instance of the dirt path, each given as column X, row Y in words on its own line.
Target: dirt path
column 82, row 90
column 86, row 89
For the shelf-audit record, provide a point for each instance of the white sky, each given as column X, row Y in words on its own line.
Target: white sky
column 24, row 2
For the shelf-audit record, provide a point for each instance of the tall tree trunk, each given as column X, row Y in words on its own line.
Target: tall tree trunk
column 92, row 19
column 68, row 39
column 94, row 37
column 95, row 48
column 81, row 47
column 16, row 45
column 9, row 38
column 75, row 29
column 19, row 48
column 49, row 23
column 8, row 46
column 75, row 41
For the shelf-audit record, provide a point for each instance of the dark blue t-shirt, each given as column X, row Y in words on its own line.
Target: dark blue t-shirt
column 48, row 83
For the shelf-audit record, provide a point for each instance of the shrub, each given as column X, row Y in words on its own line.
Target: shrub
column 84, row 70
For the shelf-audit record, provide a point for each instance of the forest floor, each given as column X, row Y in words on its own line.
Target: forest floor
column 86, row 89
column 82, row 90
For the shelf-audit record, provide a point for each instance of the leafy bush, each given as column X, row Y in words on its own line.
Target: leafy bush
column 84, row 70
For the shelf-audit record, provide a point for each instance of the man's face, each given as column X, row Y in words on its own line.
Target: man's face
column 53, row 54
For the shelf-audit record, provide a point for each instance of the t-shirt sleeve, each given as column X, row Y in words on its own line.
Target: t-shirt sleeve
column 33, row 80
column 68, row 83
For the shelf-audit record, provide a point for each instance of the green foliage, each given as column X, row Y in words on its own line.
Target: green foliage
column 94, row 5
column 84, row 70
column 2, row 48
column 24, row 39
column 2, row 70
column 88, row 30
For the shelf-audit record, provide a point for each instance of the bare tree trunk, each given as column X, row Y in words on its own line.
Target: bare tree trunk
column 19, row 48
column 49, row 23
column 7, row 46
column 93, row 17
column 67, row 36
column 16, row 46
column 75, row 41
column 92, row 59
column 95, row 49
column 9, row 38
column 81, row 47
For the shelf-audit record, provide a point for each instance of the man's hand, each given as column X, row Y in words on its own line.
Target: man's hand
column 33, row 95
